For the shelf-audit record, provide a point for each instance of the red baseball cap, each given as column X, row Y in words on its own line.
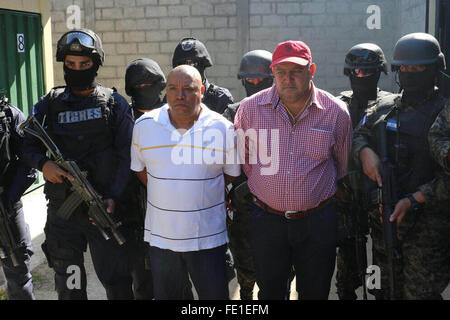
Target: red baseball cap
column 291, row 51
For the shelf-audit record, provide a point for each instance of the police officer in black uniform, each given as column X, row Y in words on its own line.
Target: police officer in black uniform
column 364, row 64
column 144, row 82
column 421, row 265
column 15, row 177
column 91, row 125
column 256, row 75
column 193, row 52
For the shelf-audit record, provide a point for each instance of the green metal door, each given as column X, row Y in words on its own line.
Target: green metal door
column 21, row 62
column 21, row 65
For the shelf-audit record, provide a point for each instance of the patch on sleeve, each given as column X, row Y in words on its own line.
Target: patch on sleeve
column 391, row 125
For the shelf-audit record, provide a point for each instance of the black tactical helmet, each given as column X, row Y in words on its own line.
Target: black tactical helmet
column 256, row 64
column 417, row 49
column 80, row 42
column 142, row 71
column 193, row 49
column 365, row 56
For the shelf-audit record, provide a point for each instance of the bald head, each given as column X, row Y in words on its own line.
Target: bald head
column 184, row 92
column 186, row 70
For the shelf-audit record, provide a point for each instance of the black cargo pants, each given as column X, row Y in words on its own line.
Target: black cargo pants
column 19, row 280
column 65, row 242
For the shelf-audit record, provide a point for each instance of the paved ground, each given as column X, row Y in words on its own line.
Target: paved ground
column 35, row 215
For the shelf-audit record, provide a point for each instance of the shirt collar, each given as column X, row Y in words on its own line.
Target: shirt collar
column 273, row 98
column 162, row 117
column 315, row 98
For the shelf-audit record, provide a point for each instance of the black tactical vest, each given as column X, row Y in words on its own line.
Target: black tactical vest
column 357, row 108
column 211, row 96
column 411, row 153
column 82, row 128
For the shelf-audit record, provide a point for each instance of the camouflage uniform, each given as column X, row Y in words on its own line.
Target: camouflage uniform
column 238, row 234
column 348, row 268
column 363, row 65
column 254, row 64
column 424, row 269
column 439, row 138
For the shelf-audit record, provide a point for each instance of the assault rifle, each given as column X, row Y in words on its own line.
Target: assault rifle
column 8, row 239
column 387, row 198
column 359, row 224
column 83, row 190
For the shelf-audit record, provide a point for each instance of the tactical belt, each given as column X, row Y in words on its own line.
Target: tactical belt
column 291, row 215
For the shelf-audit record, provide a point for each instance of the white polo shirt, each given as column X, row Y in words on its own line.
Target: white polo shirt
column 186, row 188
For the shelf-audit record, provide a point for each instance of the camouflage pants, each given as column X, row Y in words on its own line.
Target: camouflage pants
column 424, row 269
column 240, row 248
column 348, row 277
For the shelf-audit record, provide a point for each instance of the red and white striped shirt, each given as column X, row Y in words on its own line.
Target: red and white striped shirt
column 307, row 158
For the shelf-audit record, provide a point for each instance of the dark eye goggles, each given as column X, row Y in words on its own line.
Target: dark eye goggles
column 83, row 40
column 362, row 57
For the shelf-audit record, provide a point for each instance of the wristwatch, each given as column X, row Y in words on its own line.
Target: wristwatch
column 414, row 202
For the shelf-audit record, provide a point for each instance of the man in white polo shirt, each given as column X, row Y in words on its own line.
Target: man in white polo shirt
column 185, row 153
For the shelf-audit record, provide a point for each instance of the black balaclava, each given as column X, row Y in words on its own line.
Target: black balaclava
column 251, row 88
column 144, row 71
column 199, row 66
column 416, row 85
column 365, row 88
column 147, row 98
column 80, row 80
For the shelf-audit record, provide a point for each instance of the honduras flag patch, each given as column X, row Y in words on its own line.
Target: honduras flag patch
column 391, row 125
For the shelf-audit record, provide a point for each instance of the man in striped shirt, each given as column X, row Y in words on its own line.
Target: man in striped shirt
column 184, row 152
column 293, row 217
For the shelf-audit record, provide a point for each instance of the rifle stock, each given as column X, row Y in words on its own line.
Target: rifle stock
column 80, row 185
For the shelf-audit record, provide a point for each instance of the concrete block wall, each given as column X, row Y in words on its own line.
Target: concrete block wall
column 151, row 28
column 330, row 28
column 412, row 13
